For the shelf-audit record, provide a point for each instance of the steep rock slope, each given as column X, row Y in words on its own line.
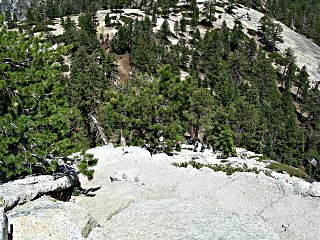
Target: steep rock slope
column 307, row 52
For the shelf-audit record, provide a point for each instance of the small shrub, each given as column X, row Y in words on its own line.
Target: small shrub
column 25, row 27
column 206, row 23
column 262, row 158
column 42, row 28
column 87, row 160
column 76, row 191
column 125, row 19
column 56, row 39
column 229, row 10
column 274, row 55
column 278, row 167
column 280, row 61
column 136, row 14
column 252, row 32
column 187, row 14
column 178, row 148
column 268, row 173
column 227, row 169
column 65, row 68
column 314, row 153
column 47, row 22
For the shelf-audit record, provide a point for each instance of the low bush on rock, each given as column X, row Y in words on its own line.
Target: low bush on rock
column 229, row 170
column 87, row 161
column 278, row 167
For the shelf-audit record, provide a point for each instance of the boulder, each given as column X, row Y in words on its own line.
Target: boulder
column 3, row 224
column 314, row 190
column 181, row 219
column 47, row 218
column 29, row 188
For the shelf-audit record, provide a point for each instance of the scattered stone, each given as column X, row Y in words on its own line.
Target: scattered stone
column 136, row 179
column 124, row 177
column 115, row 178
column 285, row 226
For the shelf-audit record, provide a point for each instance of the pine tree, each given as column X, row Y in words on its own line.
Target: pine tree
column 29, row 15
column 225, row 143
column 202, row 106
column 165, row 29
column 270, row 31
column 120, row 43
column 303, row 85
column 107, row 20
column 36, row 121
column 176, row 28
column 183, row 25
column 237, row 36
column 209, row 9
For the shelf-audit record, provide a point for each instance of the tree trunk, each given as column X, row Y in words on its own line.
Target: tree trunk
column 100, row 131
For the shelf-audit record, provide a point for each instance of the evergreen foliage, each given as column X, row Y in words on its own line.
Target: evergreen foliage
column 270, row 32
column 233, row 97
column 38, row 126
column 300, row 15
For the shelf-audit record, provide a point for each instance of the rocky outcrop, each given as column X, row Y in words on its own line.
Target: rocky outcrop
column 294, row 185
column 134, row 195
column 271, row 202
column 181, row 219
column 15, row 6
column 49, row 219
column 29, row 188
column 3, row 224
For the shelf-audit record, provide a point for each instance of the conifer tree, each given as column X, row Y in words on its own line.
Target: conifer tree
column 209, row 9
column 107, row 20
column 303, row 85
column 36, row 120
column 165, row 29
column 183, row 25
column 271, row 32
column 225, row 143
column 176, row 28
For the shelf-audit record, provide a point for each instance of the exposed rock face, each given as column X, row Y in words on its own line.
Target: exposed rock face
column 181, row 219
column 48, row 219
column 3, row 224
column 15, row 6
column 138, row 196
column 294, row 217
column 29, row 188
column 307, row 52
column 314, row 189
column 124, row 207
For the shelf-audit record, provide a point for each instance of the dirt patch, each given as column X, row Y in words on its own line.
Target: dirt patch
column 124, row 67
